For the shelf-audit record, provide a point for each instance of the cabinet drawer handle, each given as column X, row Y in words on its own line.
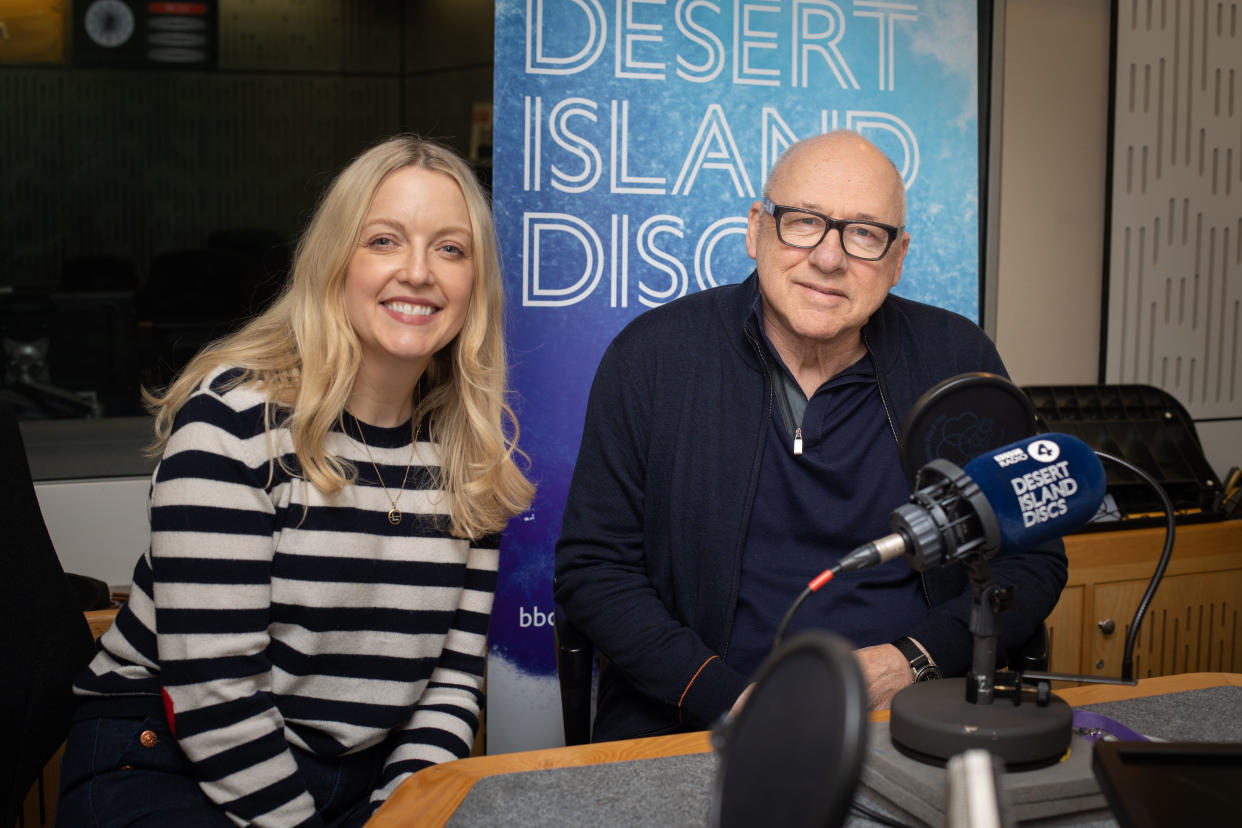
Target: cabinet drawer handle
column 1107, row 626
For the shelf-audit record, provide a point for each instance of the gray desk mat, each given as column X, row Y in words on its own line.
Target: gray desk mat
column 677, row 790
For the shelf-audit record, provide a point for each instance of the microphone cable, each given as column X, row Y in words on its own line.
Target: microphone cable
column 817, row 582
column 870, row 553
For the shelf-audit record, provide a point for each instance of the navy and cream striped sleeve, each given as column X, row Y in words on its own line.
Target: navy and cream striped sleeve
column 213, row 524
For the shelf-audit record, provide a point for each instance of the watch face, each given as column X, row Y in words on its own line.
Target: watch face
column 109, row 22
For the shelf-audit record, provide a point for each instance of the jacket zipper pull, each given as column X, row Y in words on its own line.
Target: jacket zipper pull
column 798, row 441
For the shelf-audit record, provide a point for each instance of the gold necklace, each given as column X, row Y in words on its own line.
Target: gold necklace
column 394, row 517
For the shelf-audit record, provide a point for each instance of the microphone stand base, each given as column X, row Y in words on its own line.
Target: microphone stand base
column 932, row 721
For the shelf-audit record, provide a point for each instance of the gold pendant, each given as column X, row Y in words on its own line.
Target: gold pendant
column 394, row 517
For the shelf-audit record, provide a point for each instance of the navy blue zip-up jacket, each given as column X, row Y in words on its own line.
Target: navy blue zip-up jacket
column 650, row 552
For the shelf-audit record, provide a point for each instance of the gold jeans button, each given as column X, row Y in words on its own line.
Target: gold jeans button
column 148, row 738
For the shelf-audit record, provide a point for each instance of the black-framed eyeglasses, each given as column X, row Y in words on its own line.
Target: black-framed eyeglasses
column 797, row 227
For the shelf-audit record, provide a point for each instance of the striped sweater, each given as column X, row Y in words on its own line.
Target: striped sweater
column 268, row 614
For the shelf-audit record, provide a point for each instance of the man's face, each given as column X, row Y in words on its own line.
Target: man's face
column 820, row 296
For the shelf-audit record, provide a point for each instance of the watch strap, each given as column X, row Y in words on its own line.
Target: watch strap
column 920, row 662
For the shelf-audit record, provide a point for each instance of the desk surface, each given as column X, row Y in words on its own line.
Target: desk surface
column 429, row 797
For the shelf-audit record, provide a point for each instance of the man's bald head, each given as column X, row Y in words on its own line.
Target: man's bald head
column 842, row 146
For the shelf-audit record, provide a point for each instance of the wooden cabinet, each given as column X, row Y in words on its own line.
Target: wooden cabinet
column 1192, row 624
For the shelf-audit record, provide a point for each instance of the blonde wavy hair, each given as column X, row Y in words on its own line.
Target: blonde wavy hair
column 303, row 352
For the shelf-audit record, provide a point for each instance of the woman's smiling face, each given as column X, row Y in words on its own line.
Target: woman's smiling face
column 409, row 281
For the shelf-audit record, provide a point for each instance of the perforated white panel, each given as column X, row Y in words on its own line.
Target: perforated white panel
column 1175, row 273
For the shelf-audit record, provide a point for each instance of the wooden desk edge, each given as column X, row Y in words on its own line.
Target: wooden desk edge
column 1158, row 686
column 429, row 797
column 435, row 793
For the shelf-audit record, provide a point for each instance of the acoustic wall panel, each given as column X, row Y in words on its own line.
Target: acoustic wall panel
column 132, row 163
column 1175, row 274
column 349, row 36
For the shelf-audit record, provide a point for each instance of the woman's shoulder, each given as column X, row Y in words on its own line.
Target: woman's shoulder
column 230, row 398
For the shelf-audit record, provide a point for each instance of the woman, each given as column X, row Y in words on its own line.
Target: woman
column 309, row 624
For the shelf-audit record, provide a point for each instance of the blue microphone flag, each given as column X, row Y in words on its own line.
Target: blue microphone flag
column 1040, row 487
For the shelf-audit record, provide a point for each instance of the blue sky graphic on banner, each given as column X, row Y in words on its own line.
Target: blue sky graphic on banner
column 631, row 137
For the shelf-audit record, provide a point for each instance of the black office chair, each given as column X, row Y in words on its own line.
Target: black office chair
column 98, row 273
column 265, row 259
column 575, row 657
column 1034, row 653
column 793, row 754
column 191, row 297
column 46, row 640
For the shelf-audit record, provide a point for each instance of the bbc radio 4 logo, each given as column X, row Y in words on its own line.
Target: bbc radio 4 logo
column 533, row 617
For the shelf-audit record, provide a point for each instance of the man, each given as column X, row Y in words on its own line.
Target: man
column 740, row 440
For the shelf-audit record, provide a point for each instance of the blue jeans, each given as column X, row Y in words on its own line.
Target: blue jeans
column 110, row 777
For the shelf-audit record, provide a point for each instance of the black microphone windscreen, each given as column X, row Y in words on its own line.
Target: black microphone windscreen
column 962, row 417
column 793, row 754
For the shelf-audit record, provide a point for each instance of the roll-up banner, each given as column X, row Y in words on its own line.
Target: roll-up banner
column 631, row 137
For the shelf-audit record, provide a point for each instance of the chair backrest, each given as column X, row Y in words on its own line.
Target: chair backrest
column 793, row 754
column 1035, row 652
column 574, row 668
column 46, row 639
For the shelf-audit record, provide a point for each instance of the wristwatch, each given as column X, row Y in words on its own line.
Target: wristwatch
column 920, row 662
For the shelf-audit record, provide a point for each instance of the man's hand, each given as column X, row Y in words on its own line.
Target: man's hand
column 886, row 671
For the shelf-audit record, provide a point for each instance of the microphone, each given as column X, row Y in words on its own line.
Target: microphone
column 1014, row 497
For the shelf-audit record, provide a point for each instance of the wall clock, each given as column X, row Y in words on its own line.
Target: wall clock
column 109, row 22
